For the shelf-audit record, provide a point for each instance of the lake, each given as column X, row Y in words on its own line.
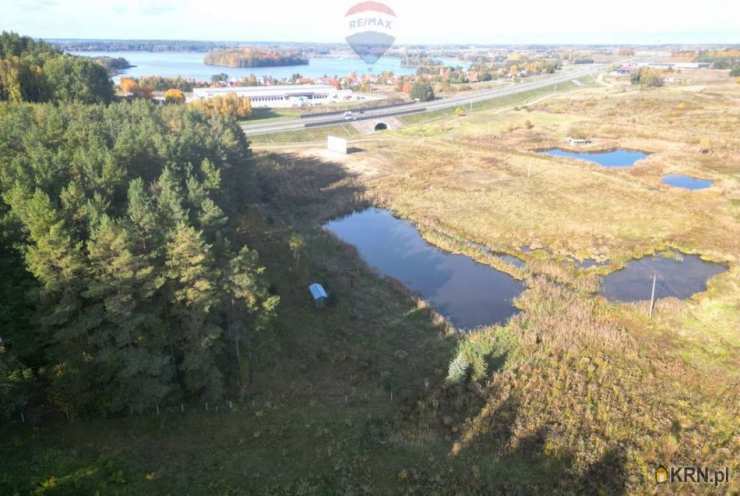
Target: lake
column 680, row 276
column 612, row 158
column 189, row 65
column 467, row 293
column 687, row 182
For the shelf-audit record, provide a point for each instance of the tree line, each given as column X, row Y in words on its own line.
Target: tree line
column 123, row 282
column 253, row 57
column 34, row 71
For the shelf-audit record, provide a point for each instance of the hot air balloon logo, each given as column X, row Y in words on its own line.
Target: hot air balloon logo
column 370, row 28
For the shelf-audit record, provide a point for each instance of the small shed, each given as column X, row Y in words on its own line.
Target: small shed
column 579, row 141
column 319, row 294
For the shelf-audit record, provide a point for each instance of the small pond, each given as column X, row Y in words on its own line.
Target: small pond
column 466, row 292
column 513, row 261
column 687, row 182
column 680, row 276
column 589, row 263
column 619, row 158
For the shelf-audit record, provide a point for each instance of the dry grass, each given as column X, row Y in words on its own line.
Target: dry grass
column 575, row 395
column 585, row 377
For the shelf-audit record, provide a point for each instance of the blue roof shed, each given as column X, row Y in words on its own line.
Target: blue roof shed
column 318, row 293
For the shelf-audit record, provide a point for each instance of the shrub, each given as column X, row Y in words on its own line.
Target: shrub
column 647, row 78
column 174, row 95
column 422, row 92
column 231, row 105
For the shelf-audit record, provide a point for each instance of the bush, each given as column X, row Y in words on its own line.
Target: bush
column 230, row 105
column 735, row 72
column 422, row 92
column 174, row 95
column 647, row 78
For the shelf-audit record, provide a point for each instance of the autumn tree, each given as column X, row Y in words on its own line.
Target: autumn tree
column 230, row 105
column 129, row 85
column 34, row 71
column 647, row 77
column 173, row 95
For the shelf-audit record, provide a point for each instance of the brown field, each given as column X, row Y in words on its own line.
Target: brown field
column 597, row 386
column 372, row 395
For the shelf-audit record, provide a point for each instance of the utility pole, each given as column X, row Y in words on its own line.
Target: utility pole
column 652, row 296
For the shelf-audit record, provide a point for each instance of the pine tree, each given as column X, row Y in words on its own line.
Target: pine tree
column 251, row 309
column 170, row 199
column 193, row 279
column 57, row 262
column 16, row 382
column 142, row 215
column 119, row 216
column 130, row 340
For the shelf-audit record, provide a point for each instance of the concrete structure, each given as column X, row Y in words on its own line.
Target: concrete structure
column 336, row 145
column 370, row 126
column 579, row 141
column 674, row 65
column 287, row 96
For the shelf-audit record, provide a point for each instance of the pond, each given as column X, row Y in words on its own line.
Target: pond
column 680, row 276
column 589, row 263
column 687, row 182
column 617, row 159
column 467, row 293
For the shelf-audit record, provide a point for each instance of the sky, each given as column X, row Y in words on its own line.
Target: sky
column 419, row 21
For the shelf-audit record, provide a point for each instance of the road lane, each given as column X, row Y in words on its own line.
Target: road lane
column 433, row 106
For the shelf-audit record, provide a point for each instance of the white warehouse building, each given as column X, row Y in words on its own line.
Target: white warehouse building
column 282, row 96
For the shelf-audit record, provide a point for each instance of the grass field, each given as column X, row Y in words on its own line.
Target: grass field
column 373, row 395
column 316, row 134
column 497, row 103
column 268, row 115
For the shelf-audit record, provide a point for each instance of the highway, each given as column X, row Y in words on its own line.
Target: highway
column 568, row 74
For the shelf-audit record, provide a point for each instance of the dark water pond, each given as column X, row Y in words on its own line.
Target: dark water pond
column 613, row 158
column 466, row 292
column 513, row 261
column 687, row 182
column 680, row 277
column 590, row 263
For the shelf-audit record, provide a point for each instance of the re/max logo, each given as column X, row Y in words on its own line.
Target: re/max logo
column 370, row 22
column 696, row 475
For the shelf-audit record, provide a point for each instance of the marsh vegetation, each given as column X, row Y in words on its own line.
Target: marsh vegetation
column 575, row 394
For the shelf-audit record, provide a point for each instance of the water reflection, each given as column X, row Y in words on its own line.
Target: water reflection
column 468, row 293
column 687, row 182
column 680, row 277
column 619, row 158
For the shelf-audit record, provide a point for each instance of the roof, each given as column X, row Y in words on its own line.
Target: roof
column 299, row 89
column 317, row 291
